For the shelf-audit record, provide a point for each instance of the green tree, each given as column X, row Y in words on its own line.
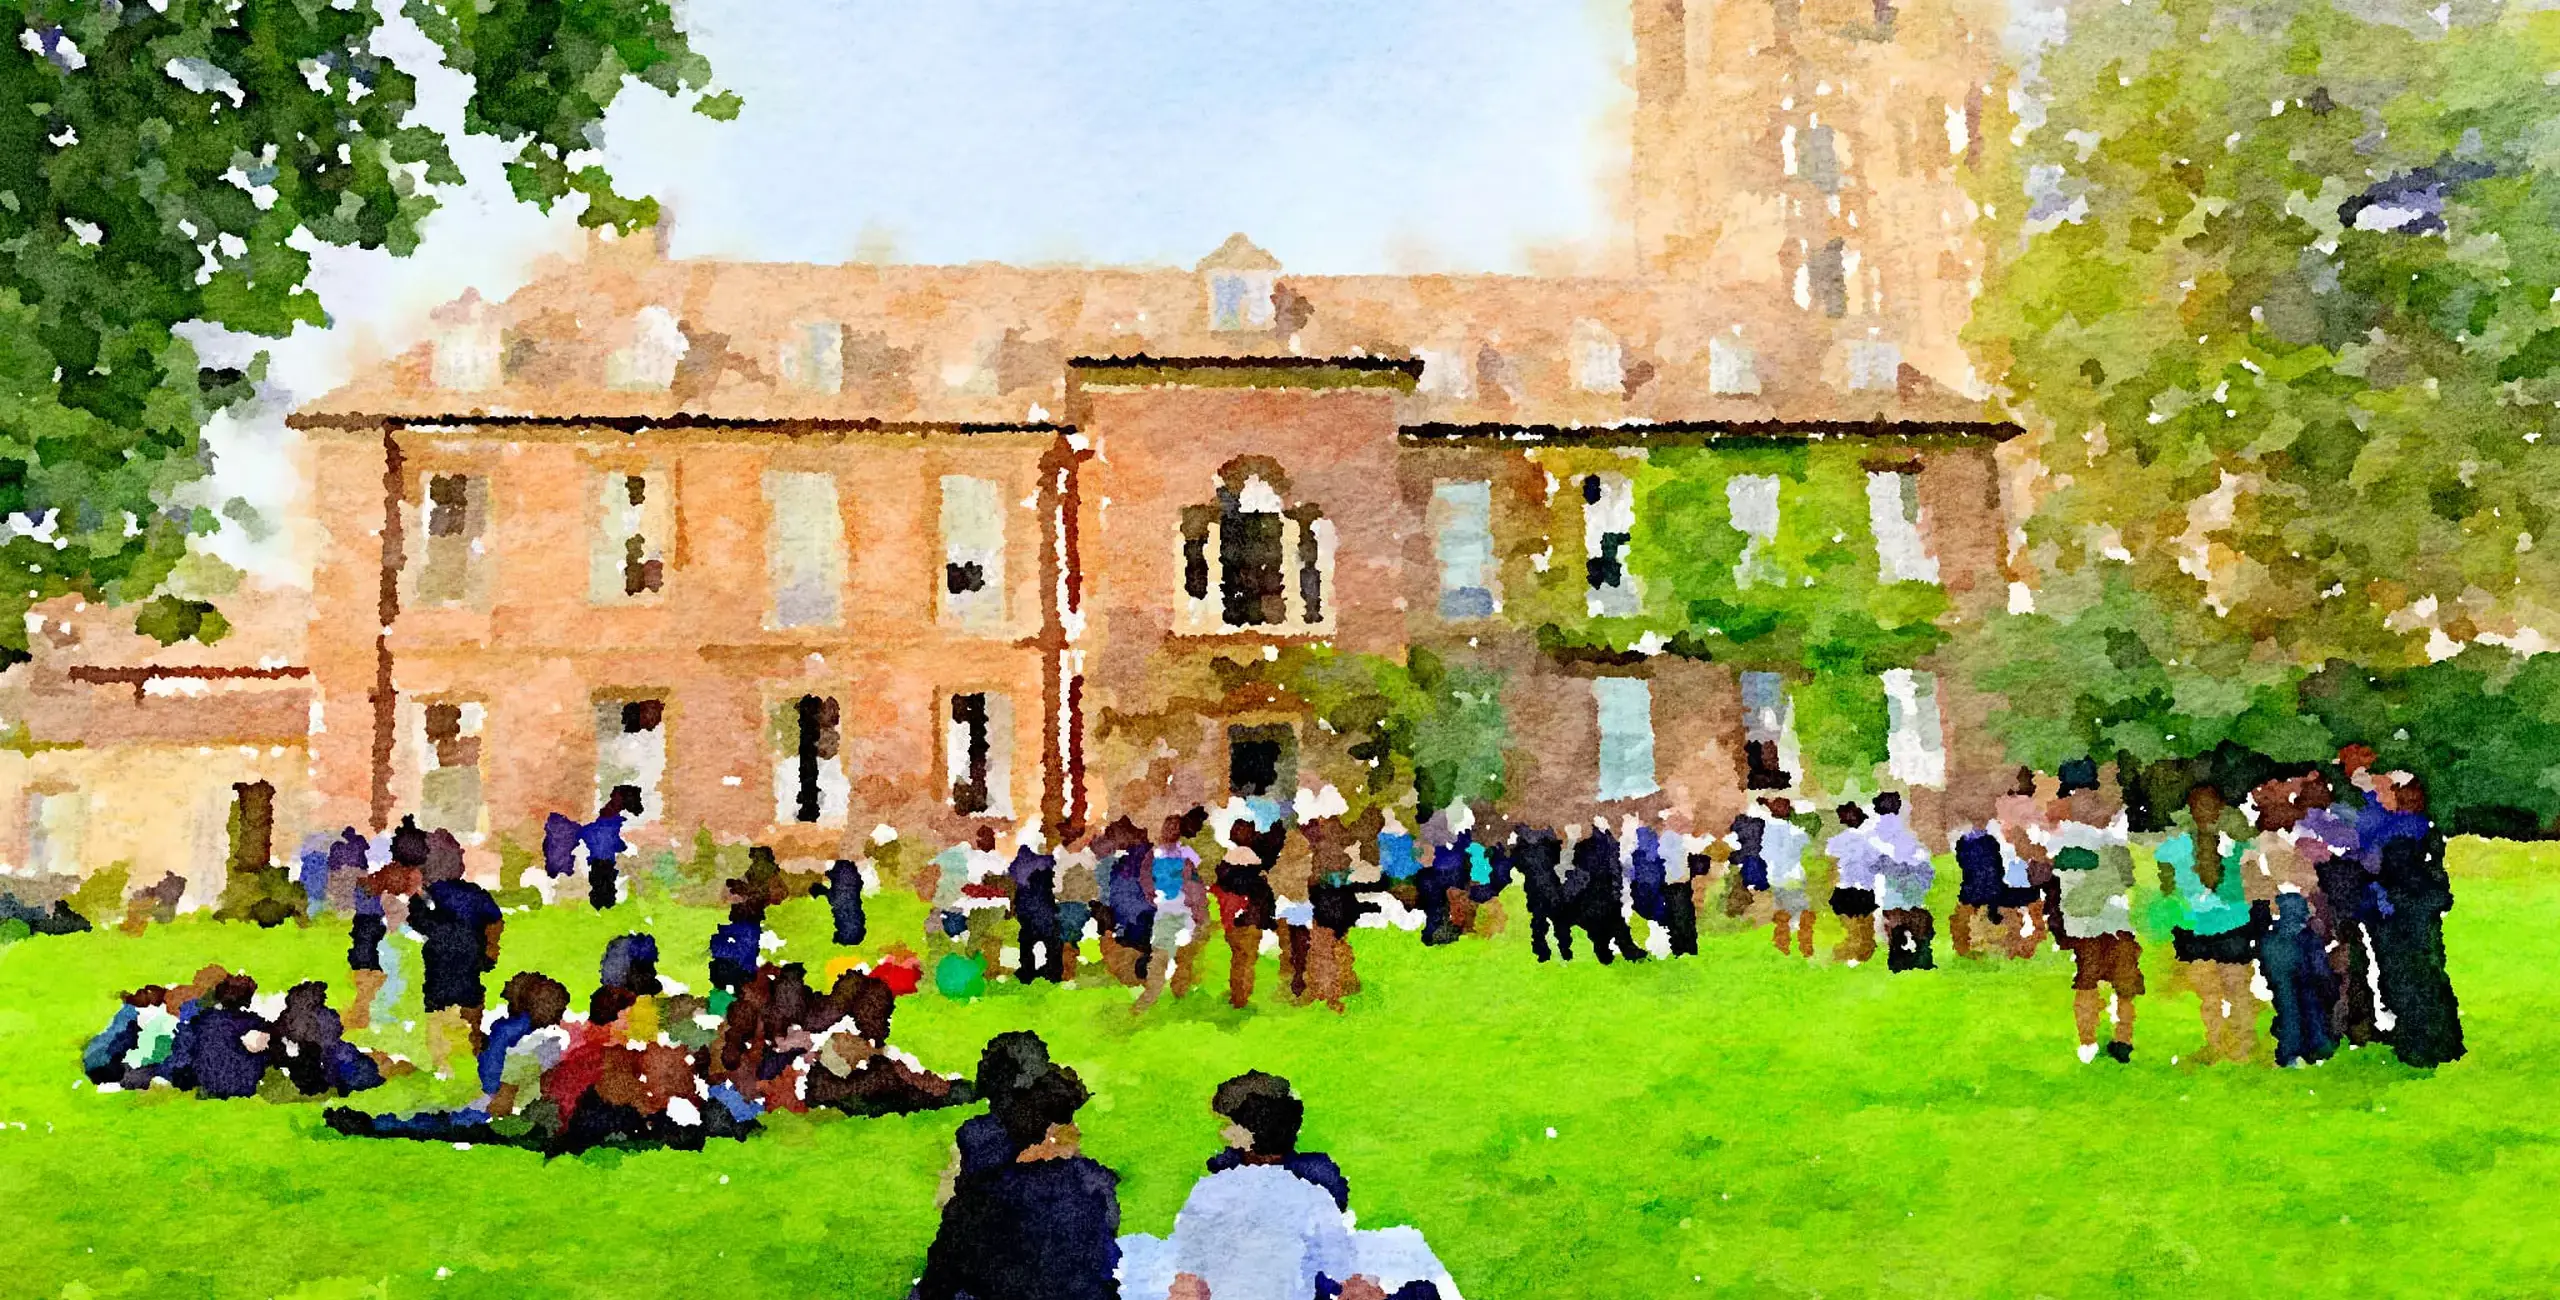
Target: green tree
column 2280, row 302
column 168, row 163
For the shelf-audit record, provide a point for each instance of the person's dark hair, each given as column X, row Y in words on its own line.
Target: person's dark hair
column 2025, row 783
column 1049, row 1098
column 234, row 991
column 2077, row 775
column 609, row 1003
column 537, row 997
column 1852, row 815
column 1011, row 1059
column 1265, row 1107
column 871, row 1003
column 149, row 995
column 1888, row 803
column 626, row 799
column 1194, row 821
column 985, row 839
column 409, row 844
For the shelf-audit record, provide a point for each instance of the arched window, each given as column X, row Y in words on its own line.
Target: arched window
column 1252, row 558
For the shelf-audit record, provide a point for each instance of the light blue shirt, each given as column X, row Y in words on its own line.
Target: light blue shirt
column 1259, row 1232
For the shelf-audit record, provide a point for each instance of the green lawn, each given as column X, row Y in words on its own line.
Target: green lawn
column 1736, row 1124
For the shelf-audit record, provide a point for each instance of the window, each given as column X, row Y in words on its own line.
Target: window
column 635, row 519
column 1253, row 559
column 978, row 755
column 649, row 360
column 804, row 549
column 1874, row 365
column 813, row 359
column 1626, row 736
column 452, row 523
column 449, row 766
column 1768, row 733
column 1262, row 760
column 1462, row 538
column 631, row 749
column 56, row 823
column 1730, row 367
column 972, row 552
column 1608, row 527
column 1893, row 511
column 1822, row 282
column 1599, row 363
column 1446, row 373
column 1240, row 300
column 1821, row 163
column 1753, row 501
column 468, row 358
column 1915, row 735
column 809, row 783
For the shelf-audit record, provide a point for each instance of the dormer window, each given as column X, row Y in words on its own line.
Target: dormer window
column 1239, row 278
column 1253, row 559
column 467, row 357
column 813, row 359
column 1599, row 363
column 1731, row 369
column 648, row 362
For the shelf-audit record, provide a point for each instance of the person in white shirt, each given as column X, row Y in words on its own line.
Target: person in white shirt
column 1782, row 846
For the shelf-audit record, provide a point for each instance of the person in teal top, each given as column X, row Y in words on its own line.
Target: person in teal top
column 2200, row 871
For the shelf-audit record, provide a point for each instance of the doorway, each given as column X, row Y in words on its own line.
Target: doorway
column 1262, row 760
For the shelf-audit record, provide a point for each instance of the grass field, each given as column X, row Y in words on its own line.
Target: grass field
column 1733, row 1125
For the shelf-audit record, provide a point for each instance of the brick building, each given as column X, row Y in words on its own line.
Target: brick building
column 799, row 549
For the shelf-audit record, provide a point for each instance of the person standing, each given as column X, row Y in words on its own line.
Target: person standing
column 460, row 927
column 2292, row 945
column 2408, row 935
column 1245, row 900
column 2203, row 868
column 985, row 891
column 1782, row 848
column 1079, row 889
column 1979, row 867
column 2093, row 866
column 1129, row 912
column 1035, row 914
column 367, row 925
column 1292, row 882
column 1599, row 904
column 844, row 902
column 1750, row 864
column 1853, row 855
column 1172, row 869
column 1538, row 856
column 602, row 839
column 1903, row 876
column 1681, row 857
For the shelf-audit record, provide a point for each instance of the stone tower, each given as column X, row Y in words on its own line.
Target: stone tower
column 1809, row 157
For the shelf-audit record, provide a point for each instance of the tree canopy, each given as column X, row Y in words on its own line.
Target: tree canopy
column 173, row 162
column 2280, row 301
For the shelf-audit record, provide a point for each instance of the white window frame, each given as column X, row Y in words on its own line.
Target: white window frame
column 1468, row 501
column 1754, row 502
column 1915, row 728
column 473, row 724
column 648, row 362
column 955, row 751
column 1732, row 369
column 804, row 549
column 1900, row 526
column 835, row 785
column 617, row 521
column 623, row 759
column 972, row 528
column 1609, row 696
column 1613, row 513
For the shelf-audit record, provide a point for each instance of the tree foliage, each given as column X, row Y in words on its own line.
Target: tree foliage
column 173, row 162
column 2282, row 305
column 1436, row 728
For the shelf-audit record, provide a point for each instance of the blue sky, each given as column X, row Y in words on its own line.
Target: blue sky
column 1392, row 135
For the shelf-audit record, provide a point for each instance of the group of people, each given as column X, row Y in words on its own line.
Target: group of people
column 1026, row 1215
column 214, row 1036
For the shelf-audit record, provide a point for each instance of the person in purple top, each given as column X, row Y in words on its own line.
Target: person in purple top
column 603, row 840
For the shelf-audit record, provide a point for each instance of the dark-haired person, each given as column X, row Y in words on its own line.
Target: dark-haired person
column 1782, row 847
column 2093, row 896
column 224, row 1049
column 844, row 902
column 460, row 925
column 1044, row 1225
column 2283, row 888
column 602, row 839
column 1853, row 855
column 2408, row 934
column 1596, row 892
column 2203, row 868
column 1263, row 1117
column 113, row 1058
column 1007, row 1065
column 1538, row 855
column 1904, row 873
column 851, row 1066
column 311, row 1046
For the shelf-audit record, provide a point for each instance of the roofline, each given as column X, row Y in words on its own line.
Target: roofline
column 1776, row 431
column 369, row 422
column 1407, row 365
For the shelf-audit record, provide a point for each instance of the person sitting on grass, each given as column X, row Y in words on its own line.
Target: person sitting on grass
column 312, row 1048
column 224, row 1049
column 851, row 1066
column 113, row 1057
column 1043, row 1225
column 523, row 1045
column 1270, row 1221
